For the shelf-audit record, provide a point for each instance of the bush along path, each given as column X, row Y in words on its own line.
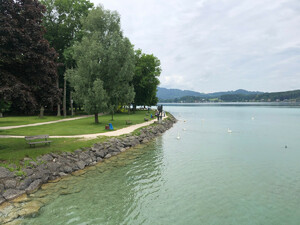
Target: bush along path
column 52, row 166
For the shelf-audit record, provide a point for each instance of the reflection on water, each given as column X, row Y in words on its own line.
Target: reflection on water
column 109, row 192
column 209, row 176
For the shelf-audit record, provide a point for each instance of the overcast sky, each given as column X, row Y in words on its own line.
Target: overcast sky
column 217, row 45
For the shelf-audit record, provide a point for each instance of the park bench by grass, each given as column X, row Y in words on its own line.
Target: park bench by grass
column 30, row 139
column 128, row 122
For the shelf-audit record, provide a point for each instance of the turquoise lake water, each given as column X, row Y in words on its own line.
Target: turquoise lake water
column 208, row 176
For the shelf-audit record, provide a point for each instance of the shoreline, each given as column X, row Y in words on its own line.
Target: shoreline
column 51, row 166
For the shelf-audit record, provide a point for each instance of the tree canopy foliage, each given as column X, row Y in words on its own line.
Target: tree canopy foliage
column 62, row 20
column 27, row 63
column 103, row 69
column 145, row 80
column 105, row 60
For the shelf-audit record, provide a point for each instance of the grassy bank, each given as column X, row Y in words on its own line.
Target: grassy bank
column 24, row 120
column 81, row 126
column 12, row 150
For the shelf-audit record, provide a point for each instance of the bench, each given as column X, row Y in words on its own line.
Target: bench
column 128, row 122
column 31, row 139
column 146, row 119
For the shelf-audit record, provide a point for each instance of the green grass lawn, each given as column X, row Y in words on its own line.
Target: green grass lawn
column 12, row 150
column 81, row 126
column 24, row 120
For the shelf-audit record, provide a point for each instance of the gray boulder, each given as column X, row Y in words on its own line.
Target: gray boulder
column 24, row 184
column 41, row 174
column 47, row 158
column 62, row 174
column 78, row 151
column 107, row 156
column 33, row 186
column 12, row 193
column 113, row 149
column 53, row 167
column 1, row 188
column 84, row 156
column 5, row 173
column 1, row 199
column 67, row 169
column 80, row 164
column 10, row 184
column 28, row 172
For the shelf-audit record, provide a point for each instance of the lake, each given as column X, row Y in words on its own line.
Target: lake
column 250, row 175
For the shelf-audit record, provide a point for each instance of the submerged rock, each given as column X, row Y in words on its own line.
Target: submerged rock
column 30, row 208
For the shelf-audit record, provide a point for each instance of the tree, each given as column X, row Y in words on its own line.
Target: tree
column 63, row 24
column 86, row 77
column 145, row 80
column 27, row 63
column 105, row 56
column 120, row 66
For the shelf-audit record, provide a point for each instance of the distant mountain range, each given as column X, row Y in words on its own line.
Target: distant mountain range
column 164, row 93
column 179, row 96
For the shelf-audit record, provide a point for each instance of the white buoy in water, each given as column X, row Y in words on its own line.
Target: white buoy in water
column 178, row 137
column 229, row 131
column 252, row 118
column 183, row 129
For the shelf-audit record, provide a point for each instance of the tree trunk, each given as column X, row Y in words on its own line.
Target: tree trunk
column 58, row 105
column 1, row 114
column 129, row 109
column 112, row 115
column 65, row 98
column 134, row 108
column 42, row 112
column 96, row 118
column 71, row 104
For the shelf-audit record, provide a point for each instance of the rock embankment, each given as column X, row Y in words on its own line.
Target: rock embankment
column 52, row 166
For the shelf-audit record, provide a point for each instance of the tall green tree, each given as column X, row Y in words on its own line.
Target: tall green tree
column 106, row 57
column 62, row 21
column 27, row 63
column 86, row 77
column 145, row 80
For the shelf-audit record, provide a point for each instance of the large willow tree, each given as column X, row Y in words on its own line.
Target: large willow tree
column 105, row 64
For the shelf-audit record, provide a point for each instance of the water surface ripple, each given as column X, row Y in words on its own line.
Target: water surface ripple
column 209, row 176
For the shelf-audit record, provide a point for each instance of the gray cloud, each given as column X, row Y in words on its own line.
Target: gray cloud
column 214, row 45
